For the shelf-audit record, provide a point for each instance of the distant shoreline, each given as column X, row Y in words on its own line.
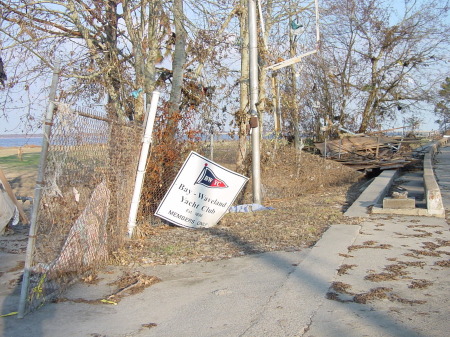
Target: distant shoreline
column 20, row 135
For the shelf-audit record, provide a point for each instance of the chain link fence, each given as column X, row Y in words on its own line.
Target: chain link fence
column 87, row 190
column 85, row 199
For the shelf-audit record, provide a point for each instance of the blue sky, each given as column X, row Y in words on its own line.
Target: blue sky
column 17, row 122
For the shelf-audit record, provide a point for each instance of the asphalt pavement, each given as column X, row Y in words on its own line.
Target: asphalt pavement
column 388, row 276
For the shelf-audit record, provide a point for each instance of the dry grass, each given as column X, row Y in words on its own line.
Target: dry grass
column 308, row 195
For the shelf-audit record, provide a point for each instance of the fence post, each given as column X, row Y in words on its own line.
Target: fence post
column 38, row 190
column 146, row 141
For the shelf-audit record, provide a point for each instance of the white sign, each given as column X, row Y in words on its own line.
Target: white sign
column 201, row 193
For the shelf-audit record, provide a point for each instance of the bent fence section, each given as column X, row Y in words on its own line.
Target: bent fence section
column 84, row 203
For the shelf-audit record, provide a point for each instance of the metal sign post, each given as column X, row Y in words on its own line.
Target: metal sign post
column 254, row 122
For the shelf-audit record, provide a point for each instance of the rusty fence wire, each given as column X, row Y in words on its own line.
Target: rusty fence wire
column 85, row 199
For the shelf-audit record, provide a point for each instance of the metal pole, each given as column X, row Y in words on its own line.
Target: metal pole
column 211, row 145
column 254, row 123
column 38, row 191
column 146, row 141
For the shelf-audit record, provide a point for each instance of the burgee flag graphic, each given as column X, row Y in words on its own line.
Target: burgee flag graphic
column 208, row 178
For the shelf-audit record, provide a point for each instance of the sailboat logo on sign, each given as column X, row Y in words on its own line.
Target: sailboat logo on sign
column 208, row 178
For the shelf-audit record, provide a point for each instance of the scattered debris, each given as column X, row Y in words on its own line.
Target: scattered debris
column 363, row 152
column 372, row 294
column 424, row 252
column 420, row 264
column 396, row 298
column 380, row 246
column 90, row 279
column 131, row 283
column 345, row 255
column 393, row 272
column 247, row 208
column 443, row 263
column 424, row 234
column 420, row 284
column 344, row 268
column 379, row 277
column 341, row 287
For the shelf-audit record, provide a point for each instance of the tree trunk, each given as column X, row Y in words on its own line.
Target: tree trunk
column 241, row 115
column 293, row 104
column 152, row 54
column 371, row 105
column 178, row 61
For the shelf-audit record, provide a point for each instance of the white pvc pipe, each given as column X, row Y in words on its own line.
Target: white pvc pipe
column 146, row 141
column 263, row 28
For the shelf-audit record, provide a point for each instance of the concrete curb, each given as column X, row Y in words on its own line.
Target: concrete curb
column 372, row 195
column 435, row 206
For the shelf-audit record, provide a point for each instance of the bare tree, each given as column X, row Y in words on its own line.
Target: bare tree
column 109, row 46
column 442, row 107
column 382, row 59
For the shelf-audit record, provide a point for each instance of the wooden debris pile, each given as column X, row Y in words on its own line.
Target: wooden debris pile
column 366, row 152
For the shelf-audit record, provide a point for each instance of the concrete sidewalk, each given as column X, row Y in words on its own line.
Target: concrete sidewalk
column 387, row 277
column 395, row 279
